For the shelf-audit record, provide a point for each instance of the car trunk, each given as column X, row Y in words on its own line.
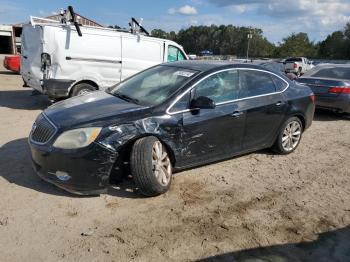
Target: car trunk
column 32, row 47
column 320, row 86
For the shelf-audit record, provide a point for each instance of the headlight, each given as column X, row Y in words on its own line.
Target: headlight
column 77, row 138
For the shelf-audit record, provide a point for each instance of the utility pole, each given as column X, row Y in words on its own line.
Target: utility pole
column 249, row 36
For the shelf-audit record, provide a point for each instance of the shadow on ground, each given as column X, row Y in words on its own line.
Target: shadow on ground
column 23, row 99
column 329, row 246
column 7, row 72
column 327, row 115
column 16, row 168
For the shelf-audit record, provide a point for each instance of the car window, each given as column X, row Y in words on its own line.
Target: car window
column 181, row 104
column 254, row 83
column 220, row 87
column 175, row 54
column 294, row 59
column 279, row 83
column 335, row 72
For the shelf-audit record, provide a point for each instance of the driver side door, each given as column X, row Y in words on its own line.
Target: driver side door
column 212, row 134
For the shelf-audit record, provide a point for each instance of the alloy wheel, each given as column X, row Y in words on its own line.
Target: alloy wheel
column 161, row 165
column 291, row 135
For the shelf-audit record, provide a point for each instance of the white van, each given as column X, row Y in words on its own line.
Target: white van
column 58, row 62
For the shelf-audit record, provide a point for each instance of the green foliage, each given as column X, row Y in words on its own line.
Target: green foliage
column 296, row 45
column 221, row 40
column 232, row 40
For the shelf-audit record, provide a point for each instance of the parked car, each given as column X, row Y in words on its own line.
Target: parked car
column 57, row 61
column 297, row 65
column 331, row 85
column 12, row 63
column 170, row 117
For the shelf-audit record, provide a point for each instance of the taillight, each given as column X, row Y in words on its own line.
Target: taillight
column 339, row 90
column 295, row 65
column 312, row 98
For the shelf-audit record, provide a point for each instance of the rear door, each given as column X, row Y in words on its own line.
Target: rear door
column 32, row 48
column 264, row 105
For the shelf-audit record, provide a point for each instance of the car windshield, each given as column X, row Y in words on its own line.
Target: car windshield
column 153, row 86
column 330, row 72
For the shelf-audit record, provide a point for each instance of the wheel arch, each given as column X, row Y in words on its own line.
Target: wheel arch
column 127, row 147
column 84, row 81
column 301, row 118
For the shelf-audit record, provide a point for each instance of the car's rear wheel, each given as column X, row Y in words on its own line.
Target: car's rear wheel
column 82, row 88
column 289, row 136
column 151, row 166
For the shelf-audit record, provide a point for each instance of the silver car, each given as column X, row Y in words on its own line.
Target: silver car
column 331, row 86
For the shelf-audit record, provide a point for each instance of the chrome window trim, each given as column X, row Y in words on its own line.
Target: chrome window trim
column 229, row 101
column 54, row 133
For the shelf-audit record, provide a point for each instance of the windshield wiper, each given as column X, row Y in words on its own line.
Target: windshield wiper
column 126, row 98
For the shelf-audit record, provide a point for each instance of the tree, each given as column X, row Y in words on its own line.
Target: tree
column 296, row 45
column 333, row 46
column 159, row 33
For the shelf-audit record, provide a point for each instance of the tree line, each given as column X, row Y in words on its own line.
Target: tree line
column 233, row 40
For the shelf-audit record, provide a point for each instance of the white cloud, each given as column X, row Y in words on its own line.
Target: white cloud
column 183, row 10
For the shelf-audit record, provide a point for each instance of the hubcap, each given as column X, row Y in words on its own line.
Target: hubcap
column 83, row 92
column 161, row 164
column 291, row 136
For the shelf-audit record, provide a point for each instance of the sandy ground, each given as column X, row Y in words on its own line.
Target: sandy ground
column 261, row 205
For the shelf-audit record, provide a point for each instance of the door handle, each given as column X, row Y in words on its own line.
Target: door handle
column 237, row 113
column 279, row 103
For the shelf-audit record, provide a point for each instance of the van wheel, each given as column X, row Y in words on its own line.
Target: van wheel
column 289, row 136
column 151, row 166
column 81, row 89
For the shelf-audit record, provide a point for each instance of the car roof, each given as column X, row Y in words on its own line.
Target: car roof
column 203, row 66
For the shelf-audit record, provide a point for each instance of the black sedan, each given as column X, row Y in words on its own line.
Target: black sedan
column 166, row 118
column 331, row 85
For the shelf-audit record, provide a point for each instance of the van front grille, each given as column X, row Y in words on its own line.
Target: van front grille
column 42, row 131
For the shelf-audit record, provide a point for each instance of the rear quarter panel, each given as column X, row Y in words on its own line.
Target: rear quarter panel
column 300, row 103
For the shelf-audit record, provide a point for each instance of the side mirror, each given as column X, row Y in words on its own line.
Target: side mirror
column 202, row 102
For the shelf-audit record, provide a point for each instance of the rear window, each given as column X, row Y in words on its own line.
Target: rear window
column 335, row 72
column 294, row 59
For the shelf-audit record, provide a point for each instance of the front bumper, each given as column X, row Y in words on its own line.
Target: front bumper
column 57, row 88
column 340, row 103
column 88, row 169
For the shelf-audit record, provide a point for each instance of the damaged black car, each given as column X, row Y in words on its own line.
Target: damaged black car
column 170, row 117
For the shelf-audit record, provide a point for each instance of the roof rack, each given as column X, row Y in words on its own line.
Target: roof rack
column 69, row 17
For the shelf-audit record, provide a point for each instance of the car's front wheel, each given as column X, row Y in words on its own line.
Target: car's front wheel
column 289, row 136
column 151, row 166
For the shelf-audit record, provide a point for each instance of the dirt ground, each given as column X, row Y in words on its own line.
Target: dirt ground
column 261, row 205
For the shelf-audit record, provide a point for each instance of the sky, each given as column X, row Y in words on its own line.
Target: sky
column 277, row 18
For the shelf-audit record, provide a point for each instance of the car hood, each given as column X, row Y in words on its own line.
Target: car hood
column 96, row 108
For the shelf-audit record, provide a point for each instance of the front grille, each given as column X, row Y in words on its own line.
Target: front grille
column 43, row 130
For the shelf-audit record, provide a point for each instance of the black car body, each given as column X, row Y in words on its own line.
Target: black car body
column 193, row 128
column 331, row 85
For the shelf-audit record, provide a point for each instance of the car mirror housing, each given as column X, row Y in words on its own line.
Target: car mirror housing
column 202, row 102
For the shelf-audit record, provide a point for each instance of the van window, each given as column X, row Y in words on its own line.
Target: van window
column 175, row 54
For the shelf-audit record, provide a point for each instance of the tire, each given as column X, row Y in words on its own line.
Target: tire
column 151, row 175
column 82, row 88
column 288, row 141
column 299, row 72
